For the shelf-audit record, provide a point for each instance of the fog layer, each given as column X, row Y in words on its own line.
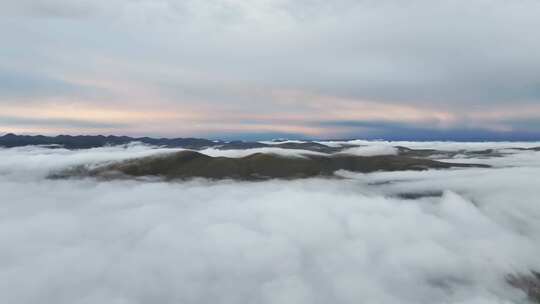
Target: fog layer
column 354, row 240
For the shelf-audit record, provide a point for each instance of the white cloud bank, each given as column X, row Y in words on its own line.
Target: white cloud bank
column 235, row 153
column 371, row 150
column 304, row 241
column 438, row 145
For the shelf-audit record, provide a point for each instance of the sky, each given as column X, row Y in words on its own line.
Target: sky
column 403, row 70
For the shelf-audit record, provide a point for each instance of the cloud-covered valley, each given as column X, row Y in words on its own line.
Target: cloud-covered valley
column 350, row 240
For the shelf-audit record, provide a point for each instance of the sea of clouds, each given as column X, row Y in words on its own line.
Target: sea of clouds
column 352, row 240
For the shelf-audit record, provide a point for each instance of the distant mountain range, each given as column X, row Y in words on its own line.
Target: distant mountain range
column 94, row 141
column 256, row 166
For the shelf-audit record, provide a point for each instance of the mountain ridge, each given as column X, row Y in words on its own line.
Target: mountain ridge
column 258, row 166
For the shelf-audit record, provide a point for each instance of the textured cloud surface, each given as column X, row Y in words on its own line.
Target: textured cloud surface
column 306, row 241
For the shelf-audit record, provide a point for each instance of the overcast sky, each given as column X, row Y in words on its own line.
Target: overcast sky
column 272, row 68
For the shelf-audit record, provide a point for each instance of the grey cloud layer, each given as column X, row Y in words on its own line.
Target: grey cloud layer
column 63, row 123
column 451, row 55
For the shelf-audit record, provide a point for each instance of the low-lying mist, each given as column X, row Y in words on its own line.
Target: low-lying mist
column 436, row 236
